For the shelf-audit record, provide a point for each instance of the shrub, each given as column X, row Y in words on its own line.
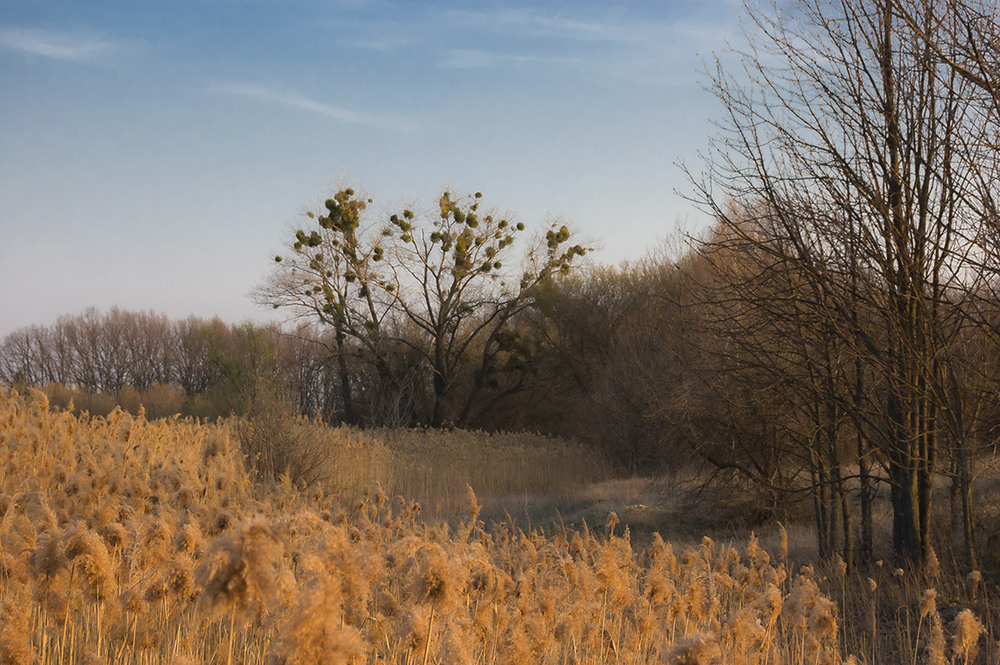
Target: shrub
column 276, row 442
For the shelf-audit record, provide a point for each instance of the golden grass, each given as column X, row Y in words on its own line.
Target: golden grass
column 132, row 542
column 433, row 467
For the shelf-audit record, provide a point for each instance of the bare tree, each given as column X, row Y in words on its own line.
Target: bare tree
column 844, row 164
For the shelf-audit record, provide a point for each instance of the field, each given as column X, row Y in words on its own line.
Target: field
column 129, row 541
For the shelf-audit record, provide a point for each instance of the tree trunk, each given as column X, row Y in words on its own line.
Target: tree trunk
column 345, row 378
column 440, row 384
column 905, row 533
column 964, row 479
column 865, row 553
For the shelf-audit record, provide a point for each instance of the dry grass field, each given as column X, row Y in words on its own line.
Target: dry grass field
column 129, row 541
column 432, row 467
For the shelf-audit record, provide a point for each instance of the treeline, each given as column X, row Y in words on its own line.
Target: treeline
column 603, row 355
column 586, row 359
column 194, row 366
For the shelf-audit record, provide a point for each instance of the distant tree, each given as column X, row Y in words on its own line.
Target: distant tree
column 19, row 358
column 242, row 358
column 433, row 290
column 306, row 360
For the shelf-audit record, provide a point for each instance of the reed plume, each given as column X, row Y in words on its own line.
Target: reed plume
column 966, row 632
column 697, row 649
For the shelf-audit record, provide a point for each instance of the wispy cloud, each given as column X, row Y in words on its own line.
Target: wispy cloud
column 660, row 48
column 301, row 102
column 77, row 47
column 383, row 44
column 701, row 26
column 533, row 23
column 474, row 59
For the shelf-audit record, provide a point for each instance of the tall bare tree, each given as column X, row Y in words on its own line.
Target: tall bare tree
column 844, row 161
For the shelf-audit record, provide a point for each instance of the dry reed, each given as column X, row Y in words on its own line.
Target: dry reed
column 132, row 542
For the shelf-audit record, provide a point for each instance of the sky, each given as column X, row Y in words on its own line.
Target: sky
column 155, row 155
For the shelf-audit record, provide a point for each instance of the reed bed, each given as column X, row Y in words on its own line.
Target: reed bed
column 125, row 541
column 927, row 617
column 430, row 466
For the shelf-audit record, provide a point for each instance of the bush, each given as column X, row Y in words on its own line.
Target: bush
column 94, row 403
column 163, row 400
column 275, row 441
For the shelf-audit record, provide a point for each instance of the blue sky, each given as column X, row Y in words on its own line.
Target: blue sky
column 153, row 155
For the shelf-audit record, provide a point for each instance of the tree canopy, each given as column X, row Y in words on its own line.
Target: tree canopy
column 424, row 300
